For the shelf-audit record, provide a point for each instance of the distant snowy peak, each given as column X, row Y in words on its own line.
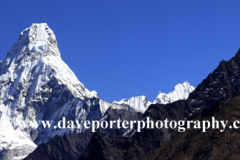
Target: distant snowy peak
column 139, row 102
column 181, row 91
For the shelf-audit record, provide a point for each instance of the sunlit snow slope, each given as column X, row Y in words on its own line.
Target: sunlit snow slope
column 35, row 84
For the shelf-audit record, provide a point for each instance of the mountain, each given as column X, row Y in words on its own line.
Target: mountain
column 35, row 85
column 221, row 84
column 212, row 144
column 181, row 91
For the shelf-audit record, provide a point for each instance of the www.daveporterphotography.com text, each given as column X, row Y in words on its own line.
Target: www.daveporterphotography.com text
column 138, row 125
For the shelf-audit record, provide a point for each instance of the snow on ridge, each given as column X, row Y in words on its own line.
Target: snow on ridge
column 181, row 91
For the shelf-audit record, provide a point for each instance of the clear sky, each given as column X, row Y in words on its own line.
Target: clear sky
column 125, row 48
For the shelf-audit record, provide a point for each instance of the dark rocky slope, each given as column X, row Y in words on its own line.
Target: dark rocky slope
column 119, row 148
column 71, row 146
column 213, row 144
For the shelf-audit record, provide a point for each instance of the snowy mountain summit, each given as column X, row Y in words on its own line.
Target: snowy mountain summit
column 35, row 84
column 181, row 91
column 37, row 47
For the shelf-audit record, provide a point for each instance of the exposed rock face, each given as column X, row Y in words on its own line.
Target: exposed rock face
column 213, row 144
column 222, row 84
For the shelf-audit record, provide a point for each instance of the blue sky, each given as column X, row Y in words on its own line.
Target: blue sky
column 125, row 48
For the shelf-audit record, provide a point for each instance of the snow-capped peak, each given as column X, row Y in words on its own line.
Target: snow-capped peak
column 37, row 49
column 38, row 39
column 36, row 84
column 181, row 91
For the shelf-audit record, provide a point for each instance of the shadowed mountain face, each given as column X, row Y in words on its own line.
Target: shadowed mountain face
column 71, row 146
column 222, row 84
column 119, row 148
column 213, row 144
